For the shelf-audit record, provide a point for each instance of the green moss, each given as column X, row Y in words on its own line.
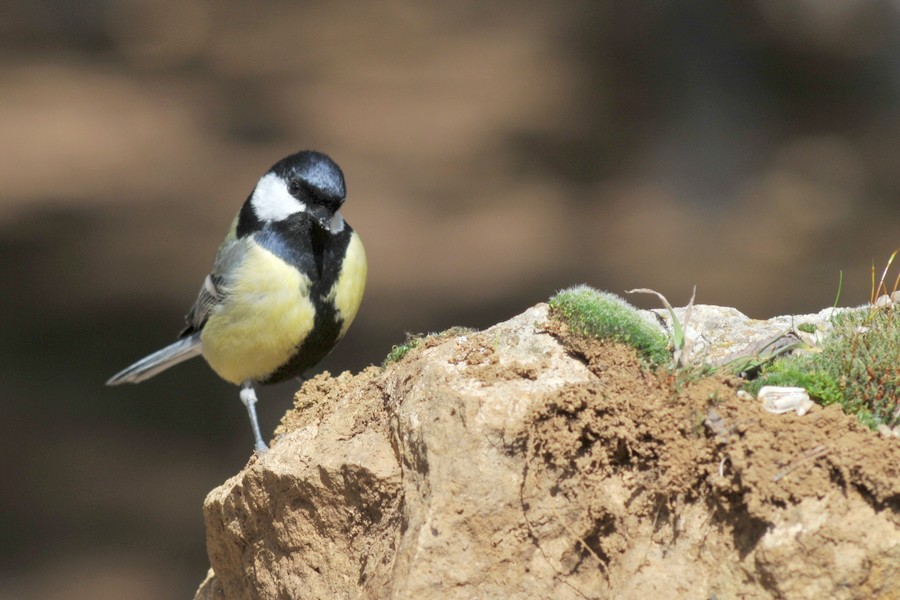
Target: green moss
column 800, row 371
column 605, row 316
column 857, row 366
column 415, row 340
column 400, row 350
column 806, row 327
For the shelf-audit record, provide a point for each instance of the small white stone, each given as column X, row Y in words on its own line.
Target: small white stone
column 884, row 300
column 781, row 399
column 744, row 395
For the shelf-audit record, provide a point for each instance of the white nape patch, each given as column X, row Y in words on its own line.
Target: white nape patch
column 336, row 224
column 271, row 200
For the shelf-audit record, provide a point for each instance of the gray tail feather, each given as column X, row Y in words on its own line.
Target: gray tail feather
column 159, row 361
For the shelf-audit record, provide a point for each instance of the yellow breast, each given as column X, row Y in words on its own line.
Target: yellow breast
column 267, row 312
column 347, row 292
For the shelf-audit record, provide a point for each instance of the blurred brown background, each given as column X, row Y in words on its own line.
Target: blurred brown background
column 494, row 152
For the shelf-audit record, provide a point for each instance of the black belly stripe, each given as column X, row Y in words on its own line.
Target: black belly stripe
column 319, row 254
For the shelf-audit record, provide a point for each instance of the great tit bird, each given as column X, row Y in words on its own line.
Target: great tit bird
column 285, row 285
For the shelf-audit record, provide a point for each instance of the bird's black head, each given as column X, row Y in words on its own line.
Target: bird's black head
column 312, row 178
column 305, row 182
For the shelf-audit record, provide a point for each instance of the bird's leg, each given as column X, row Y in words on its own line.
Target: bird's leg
column 248, row 397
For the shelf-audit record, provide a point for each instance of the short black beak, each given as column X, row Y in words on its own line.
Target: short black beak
column 322, row 214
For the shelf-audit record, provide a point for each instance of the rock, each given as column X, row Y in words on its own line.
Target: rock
column 520, row 462
column 319, row 513
column 719, row 334
column 210, row 589
column 781, row 399
column 885, row 431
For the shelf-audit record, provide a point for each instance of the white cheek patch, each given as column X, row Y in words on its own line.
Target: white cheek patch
column 271, row 200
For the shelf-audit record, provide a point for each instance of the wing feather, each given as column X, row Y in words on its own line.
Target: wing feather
column 210, row 295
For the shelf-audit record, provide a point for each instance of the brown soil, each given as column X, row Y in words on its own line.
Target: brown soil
column 631, row 483
column 638, row 453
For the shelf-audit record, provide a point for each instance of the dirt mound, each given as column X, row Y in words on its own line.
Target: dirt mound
column 521, row 462
column 668, row 484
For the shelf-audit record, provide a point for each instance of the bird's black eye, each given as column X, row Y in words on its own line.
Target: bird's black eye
column 295, row 186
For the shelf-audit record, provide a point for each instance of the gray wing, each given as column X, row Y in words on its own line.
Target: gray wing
column 210, row 295
column 214, row 290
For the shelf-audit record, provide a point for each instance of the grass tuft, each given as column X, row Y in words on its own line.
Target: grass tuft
column 605, row 316
column 857, row 366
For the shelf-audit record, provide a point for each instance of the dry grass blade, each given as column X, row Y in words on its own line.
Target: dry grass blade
column 682, row 352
